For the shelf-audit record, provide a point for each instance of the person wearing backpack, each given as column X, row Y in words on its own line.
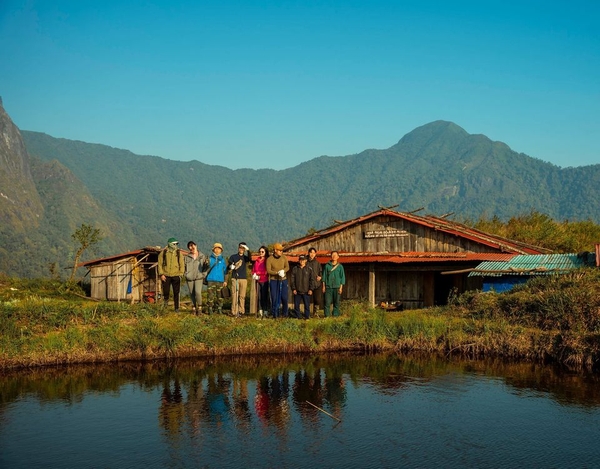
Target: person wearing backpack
column 170, row 269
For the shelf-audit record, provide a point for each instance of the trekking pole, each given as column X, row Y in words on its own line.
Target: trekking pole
column 257, row 294
column 281, row 308
column 236, row 297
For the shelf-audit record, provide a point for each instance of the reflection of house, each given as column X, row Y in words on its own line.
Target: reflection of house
column 503, row 275
column 399, row 257
column 131, row 276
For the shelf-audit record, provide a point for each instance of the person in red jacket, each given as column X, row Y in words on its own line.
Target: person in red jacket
column 261, row 277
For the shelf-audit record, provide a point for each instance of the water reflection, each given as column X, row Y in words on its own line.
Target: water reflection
column 218, row 389
column 259, row 408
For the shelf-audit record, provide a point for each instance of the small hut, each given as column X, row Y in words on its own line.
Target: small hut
column 131, row 276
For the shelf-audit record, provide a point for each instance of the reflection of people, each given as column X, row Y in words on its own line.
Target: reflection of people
column 241, row 407
column 334, row 280
column 271, row 400
column 279, row 414
column 317, row 296
column 194, row 406
column 239, row 279
column 260, row 275
column 261, row 400
column 171, row 411
column 335, row 391
column 216, row 279
column 302, row 283
column 277, row 268
column 217, row 398
column 194, row 265
column 308, row 388
column 170, row 269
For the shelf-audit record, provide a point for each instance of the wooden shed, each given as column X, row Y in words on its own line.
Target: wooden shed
column 400, row 259
column 131, row 276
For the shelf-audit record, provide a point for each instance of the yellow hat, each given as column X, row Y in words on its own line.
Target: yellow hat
column 278, row 246
column 218, row 245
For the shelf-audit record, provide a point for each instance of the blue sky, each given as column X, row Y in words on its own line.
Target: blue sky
column 271, row 84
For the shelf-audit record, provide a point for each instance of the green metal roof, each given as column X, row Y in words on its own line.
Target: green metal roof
column 535, row 264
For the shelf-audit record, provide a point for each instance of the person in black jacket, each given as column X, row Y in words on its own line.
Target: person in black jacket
column 317, row 296
column 302, row 283
column 237, row 266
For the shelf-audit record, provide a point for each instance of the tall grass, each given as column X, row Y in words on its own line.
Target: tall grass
column 551, row 317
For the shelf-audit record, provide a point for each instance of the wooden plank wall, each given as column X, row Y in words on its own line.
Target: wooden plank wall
column 110, row 281
column 414, row 289
column 417, row 239
column 390, row 286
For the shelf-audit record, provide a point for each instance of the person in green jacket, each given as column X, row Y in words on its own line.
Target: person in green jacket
column 334, row 279
column 170, row 269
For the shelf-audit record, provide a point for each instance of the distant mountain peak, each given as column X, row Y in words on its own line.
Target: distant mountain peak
column 439, row 129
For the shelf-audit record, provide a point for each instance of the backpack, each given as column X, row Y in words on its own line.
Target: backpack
column 164, row 259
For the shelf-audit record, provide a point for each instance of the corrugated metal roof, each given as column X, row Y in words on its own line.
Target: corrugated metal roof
column 540, row 264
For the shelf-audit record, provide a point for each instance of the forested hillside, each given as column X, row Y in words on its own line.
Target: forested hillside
column 143, row 200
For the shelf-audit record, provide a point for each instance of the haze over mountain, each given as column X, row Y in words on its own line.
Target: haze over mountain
column 58, row 184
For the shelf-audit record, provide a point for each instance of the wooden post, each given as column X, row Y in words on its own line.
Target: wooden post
column 372, row 284
column 428, row 289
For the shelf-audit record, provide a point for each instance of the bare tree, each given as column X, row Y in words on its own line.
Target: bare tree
column 85, row 236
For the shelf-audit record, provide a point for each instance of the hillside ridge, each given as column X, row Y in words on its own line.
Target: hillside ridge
column 140, row 200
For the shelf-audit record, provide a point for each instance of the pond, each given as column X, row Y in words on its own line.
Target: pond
column 341, row 410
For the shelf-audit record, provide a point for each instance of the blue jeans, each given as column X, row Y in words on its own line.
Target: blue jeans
column 279, row 296
column 304, row 298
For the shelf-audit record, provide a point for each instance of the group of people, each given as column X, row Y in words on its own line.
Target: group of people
column 309, row 282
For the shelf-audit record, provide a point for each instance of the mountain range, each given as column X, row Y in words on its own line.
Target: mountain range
column 50, row 186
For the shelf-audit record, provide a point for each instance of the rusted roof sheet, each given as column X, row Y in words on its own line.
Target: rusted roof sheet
column 542, row 264
column 404, row 257
column 436, row 223
column 116, row 257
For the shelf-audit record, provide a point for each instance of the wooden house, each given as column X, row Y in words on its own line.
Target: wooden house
column 404, row 259
column 131, row 276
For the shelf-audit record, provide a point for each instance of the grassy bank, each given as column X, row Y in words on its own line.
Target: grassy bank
column 553, row 318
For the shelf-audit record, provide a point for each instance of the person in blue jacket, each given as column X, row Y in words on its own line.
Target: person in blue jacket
column 215, row 279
